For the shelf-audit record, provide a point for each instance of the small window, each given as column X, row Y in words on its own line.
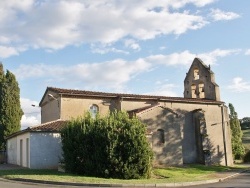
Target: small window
column 201, row 90
column 94, row 109
column 193, row 90
column 160, row 135
column 196, row 74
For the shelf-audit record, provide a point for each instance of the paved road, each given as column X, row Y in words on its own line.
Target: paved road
column 239, row 181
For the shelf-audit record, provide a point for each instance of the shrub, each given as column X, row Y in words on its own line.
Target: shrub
column 114, row 146
column 246, row 158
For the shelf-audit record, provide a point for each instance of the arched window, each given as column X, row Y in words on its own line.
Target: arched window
column 201, row 90
column 193, row 90
column 196, row 74
column 94, row 109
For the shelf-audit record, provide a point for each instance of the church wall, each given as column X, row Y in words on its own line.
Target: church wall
column 50, row 108
column 74, row 107
column 176, row 119
column 213, row 141
column 166, row 135
column 128, row 105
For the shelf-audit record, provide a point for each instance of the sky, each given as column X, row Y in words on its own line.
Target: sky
column 138, row 47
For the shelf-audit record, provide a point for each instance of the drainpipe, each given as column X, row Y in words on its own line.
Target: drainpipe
column 223, row 133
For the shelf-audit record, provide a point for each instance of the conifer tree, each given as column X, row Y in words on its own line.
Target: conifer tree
column 10, row 107
column 237, row 146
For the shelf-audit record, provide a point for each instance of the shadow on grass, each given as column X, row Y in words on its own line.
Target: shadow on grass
column 32, row 172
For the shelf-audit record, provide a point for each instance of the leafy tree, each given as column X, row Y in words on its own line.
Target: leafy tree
column 114, row 146
column 245, row 123
column 237, row 146
column 10, row 108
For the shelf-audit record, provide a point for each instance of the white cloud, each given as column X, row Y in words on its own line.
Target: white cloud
column 186, row 58
column 104, row 49
column 164, row 89
column 32, row 115
column 239, row 85
column 162, row 48
column 111, row 74
column 57, row 24
column 29, row 121
column 182, row 3
column 130, row 43
column 218, row 15
column 7, row 51
column 183, row 58
column 211, row 57
column 247, row 52
column 115, row 73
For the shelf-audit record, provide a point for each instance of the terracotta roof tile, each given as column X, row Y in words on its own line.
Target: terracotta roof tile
column 52, row 126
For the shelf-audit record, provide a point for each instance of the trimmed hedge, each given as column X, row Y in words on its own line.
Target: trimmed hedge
column 114, row 146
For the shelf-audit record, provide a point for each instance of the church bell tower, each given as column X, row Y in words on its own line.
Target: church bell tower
column 200, row 82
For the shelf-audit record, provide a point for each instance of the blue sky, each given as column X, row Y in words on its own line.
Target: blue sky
column 141, row 47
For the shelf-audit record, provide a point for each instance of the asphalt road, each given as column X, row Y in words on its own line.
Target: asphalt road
column 240, row 181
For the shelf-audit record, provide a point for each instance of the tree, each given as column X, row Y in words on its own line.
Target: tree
column 10, row 107
column 237, row 146
column 114, row 146
column 245, row 123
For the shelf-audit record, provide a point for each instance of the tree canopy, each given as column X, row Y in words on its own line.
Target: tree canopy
column 237, row 146
column 10, row 107
column 245, row 123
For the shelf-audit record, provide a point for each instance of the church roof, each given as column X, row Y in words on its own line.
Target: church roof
column 85, row 93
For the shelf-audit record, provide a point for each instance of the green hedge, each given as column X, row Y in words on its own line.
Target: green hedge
column 246, row 158
column 114, row 146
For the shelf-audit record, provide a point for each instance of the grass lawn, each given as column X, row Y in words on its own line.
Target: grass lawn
column 246, row 138
column 160, row 175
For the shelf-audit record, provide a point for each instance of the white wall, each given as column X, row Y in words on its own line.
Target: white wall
column 45, row 150
column 23, row 152
column 12, row 150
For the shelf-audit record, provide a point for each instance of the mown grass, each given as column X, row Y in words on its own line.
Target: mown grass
column 159, row 175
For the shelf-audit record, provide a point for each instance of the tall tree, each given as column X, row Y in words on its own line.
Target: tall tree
column 245, row 123
column 10, row 107
column 237, row 146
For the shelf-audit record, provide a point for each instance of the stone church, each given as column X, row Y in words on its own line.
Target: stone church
column 181, row 130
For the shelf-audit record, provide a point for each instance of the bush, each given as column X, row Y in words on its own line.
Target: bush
column 246, row 158
column 114, row 146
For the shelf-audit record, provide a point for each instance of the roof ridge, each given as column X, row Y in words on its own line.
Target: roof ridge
column 77, row 92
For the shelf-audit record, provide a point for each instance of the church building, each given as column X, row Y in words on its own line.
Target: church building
column 181, row 130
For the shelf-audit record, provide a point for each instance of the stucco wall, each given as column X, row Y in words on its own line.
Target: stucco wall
column 74, row 107
column 12, row 150
column 23, row 149
column 50, row 108
column 45, row 150
column 170, row 151
column 213, row 119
